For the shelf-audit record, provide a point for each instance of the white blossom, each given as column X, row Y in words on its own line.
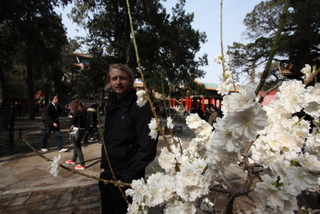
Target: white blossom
column 206, row 205
column 193, row 121
column 312, row 108
column 218, row 58
column 167, row 160
column 307, row 71
column 153, row 126
column 138, row 190
column 170, row 123
column 224, row 88
column 278, row 134
column 141, row 98
column 54, row 166
column 309, row 162
column 247, row 122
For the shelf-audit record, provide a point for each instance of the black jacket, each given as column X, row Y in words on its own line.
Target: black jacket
column 91, row 118
column 129, row 146
column 78, row 120
column 51, row 114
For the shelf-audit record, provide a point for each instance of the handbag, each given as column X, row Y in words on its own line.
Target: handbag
column 73, row 134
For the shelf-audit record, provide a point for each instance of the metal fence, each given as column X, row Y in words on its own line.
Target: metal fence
column 7, row 116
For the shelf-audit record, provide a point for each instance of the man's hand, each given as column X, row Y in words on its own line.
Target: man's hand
column 55, row 125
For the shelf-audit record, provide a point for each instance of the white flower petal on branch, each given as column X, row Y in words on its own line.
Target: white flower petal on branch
column 313, row 109
column 307, row 71
column 167, row 160
column 137, row 191
column 247, row 122
column 141, row 98
column 313, row 93
column 170, row 123
column 54, row 166
column 224, row 88
column 309, row 162
column 153, row 126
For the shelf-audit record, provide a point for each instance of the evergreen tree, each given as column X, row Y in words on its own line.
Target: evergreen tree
column 167, row 44
column 300, row 40
column 37, row 36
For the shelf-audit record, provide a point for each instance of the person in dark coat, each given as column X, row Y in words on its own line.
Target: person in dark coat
column 51, row 122
column 91, row 124
column 78, row 121
column 129, row 147
column 214, row 113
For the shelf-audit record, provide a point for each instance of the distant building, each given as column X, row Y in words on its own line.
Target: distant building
column 192, row 100
column 82, row 61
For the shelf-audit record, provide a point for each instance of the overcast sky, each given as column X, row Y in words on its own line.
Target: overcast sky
column 206, row 19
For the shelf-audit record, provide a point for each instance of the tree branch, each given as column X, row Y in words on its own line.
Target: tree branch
column 265, row 73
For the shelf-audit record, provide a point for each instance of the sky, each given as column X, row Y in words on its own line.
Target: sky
column 206, row 19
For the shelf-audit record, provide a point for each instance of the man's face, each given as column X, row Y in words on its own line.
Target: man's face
column 119, row 82
column 55, row 99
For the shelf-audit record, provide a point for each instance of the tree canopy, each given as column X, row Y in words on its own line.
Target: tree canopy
column 167, row 43
column 32, row 36
column 299, row 42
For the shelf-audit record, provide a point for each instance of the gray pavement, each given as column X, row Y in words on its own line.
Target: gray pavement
column 26, row 185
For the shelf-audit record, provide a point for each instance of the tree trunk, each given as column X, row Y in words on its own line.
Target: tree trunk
column 253, row 73
column 30, row 86
column 3, row 87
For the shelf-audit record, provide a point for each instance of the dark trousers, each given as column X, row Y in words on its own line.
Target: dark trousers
column 77, row 150
column 46, row 135
column 90, row 133
column 112, row 201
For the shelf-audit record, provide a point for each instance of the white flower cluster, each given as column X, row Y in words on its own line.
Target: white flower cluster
column 307, row 71
column 226, row 86
column 153, row 126
column 243, row 118
column 284, row 144
column 54, row 165
column 288, row 169
column 185, row 179
column 141, row 98
column 218, row 59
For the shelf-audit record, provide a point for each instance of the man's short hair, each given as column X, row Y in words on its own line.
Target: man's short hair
column 52, row 96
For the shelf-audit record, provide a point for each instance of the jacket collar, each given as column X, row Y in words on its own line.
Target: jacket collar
column 127, row 100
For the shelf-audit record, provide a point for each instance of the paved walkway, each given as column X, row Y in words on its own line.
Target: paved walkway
column 26, row 186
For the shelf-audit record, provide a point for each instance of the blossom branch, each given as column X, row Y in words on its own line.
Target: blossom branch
column 74, row 171
column 143, row 80
column 313, row 76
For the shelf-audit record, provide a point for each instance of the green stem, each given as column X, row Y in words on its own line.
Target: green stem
column 221, row 45
column 143, row 80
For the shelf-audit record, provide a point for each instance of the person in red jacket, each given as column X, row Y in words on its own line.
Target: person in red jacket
column 129, row 147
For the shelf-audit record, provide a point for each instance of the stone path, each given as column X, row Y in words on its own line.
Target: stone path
column 26, row 185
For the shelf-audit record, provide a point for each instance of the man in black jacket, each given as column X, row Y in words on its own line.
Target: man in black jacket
column 128, row 144
column 52, row 124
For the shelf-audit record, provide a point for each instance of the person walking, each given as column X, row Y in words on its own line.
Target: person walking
column 214, row 114
column 91, row 124
column 78, row 124
column 129, row 147
column 51, row 122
